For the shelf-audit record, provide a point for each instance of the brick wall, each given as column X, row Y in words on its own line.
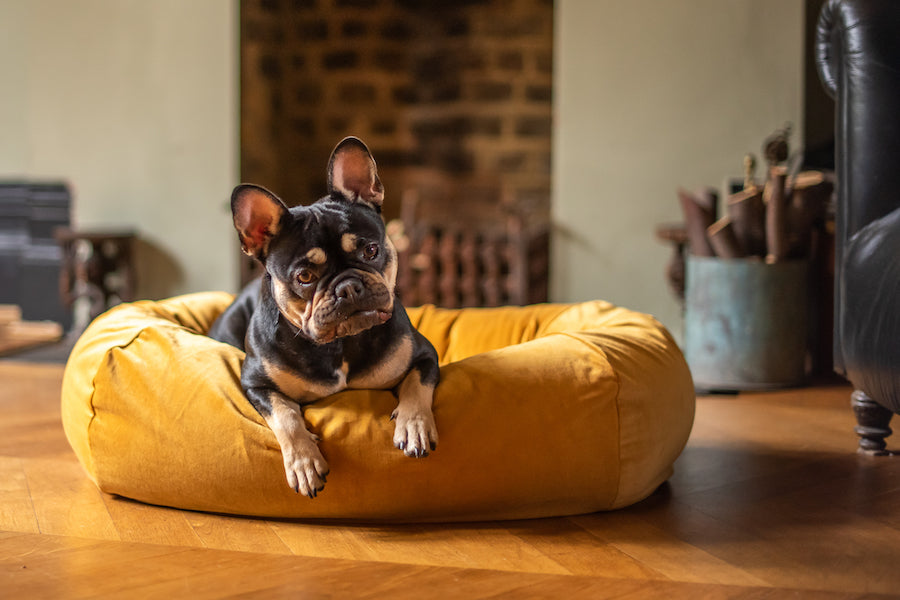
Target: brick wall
column 454, row 90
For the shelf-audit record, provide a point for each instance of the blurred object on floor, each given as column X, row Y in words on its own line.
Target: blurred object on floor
column 17, row 335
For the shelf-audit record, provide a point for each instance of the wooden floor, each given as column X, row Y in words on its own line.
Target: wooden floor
column 769, row 500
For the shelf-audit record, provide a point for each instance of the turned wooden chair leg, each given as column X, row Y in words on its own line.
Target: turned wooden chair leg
column 872, row 423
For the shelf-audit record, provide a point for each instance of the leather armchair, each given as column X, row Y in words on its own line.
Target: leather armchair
column 858, row 58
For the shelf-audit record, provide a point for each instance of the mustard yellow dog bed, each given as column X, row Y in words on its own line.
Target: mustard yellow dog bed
column 543, row 410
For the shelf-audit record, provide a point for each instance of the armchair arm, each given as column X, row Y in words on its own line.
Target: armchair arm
column 858, row 59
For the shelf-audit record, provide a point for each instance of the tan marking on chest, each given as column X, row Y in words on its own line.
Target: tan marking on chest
column 301, row 389
column 388, row 372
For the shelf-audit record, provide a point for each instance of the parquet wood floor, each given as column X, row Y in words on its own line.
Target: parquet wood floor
column 769, row 500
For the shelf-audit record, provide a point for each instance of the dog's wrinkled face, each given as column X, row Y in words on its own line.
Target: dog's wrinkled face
column 332, row 267
column 333, row 270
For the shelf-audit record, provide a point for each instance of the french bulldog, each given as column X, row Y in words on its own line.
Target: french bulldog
column 324, row 317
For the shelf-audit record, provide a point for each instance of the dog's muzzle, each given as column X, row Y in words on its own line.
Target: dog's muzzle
column 356, row 302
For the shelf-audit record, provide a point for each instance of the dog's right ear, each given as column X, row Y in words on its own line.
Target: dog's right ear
column 258, row 214
column 353, row 175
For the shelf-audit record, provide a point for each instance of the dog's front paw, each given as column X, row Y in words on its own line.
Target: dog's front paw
column 305, row 466
column 414, row 432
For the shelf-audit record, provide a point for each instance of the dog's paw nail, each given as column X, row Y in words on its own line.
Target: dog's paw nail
column 433, row 446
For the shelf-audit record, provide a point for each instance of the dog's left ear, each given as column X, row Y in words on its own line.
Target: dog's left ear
column 352, row 174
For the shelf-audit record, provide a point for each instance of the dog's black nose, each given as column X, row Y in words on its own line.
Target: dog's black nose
column 350, row 289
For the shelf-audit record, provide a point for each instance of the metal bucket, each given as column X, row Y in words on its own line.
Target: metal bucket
column 746, row 323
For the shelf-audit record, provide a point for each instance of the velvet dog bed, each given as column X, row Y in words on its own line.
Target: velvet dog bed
column 542, row 410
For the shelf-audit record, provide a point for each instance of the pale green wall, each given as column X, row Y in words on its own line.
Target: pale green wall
column 135, row 103
column 650, row 95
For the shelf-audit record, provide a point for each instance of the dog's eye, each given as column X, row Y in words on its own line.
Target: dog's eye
column 305, row 276
column 371, row 252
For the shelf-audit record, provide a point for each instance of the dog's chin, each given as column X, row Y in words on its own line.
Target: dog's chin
column 350, row 325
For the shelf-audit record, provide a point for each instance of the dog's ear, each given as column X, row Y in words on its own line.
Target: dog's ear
column 352, row 173
column 258, row 214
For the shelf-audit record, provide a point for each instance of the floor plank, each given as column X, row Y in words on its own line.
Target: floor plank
column 235, row 533
column 455, row 545
column 31, row 424
column 66, row 567
column 136, row 522
column 16, row 508
column 579, row 551
column 66, row 502
column 666, row 552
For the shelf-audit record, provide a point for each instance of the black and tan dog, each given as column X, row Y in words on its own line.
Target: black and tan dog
column 323, row 317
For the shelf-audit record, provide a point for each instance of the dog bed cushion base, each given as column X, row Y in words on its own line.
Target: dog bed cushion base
column 542, row 411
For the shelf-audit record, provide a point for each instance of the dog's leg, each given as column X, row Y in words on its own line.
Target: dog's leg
column 304, row 465
column 414, row 431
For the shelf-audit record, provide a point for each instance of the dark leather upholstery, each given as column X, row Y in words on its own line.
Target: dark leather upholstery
column 858, row 56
